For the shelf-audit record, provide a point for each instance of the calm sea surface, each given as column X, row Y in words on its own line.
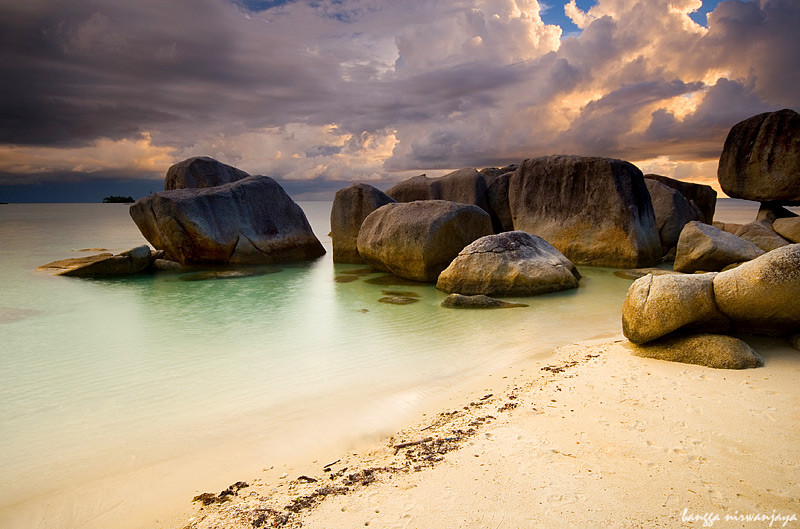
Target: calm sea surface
column 109, row 384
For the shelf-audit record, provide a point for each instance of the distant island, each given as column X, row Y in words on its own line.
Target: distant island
column 118, row 200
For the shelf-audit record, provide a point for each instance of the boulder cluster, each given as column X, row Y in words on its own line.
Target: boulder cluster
column 208, row 213
column 520, row 230
column 761, row 296
column 594, row 211
column 211, row 212
column 511, row 231
column 742, row 279
column 516, row 231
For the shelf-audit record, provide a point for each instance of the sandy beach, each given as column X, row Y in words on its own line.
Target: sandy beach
column 590, row 437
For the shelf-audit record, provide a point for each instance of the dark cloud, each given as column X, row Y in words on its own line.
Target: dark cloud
column 78, row 71
column 602, row 125
column 760, row 41
column 344, row 89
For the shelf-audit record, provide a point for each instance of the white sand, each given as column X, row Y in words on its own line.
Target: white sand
column 613, row 441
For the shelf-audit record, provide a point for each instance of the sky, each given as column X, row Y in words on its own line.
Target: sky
column 100, row 97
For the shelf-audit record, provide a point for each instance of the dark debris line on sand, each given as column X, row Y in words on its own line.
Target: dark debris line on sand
column 447, row 433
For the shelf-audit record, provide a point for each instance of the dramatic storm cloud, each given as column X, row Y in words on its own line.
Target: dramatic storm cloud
column 333, row 91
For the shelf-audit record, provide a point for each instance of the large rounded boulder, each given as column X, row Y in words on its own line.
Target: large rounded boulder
column 763, row 295
column 761, row 158
column 508, row 264
column 465, row 186
column 659, row 305
column 596, row 211
column 702, row 247
column 351, row 206
column 417, row 240
column 200, row 172
column 249, row 221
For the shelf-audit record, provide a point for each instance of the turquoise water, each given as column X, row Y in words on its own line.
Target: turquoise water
column 105, row 384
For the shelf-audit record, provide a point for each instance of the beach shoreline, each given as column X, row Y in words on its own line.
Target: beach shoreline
column 589, row 436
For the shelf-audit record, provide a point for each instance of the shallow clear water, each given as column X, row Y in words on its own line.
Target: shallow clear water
column 104, row 379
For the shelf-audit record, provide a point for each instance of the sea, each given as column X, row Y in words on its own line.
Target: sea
column 122, row 398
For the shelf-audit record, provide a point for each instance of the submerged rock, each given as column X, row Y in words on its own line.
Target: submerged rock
column 132, row 261
column 249, row 221
column 358, row 271
column 761, row 158
column 404, row 293
column 658, row 305
column 392, row 280
column 417, row 240
column 398, row 300
column 351, row 206
column 210, row 275
column 596, row 211
column 14, row 315
column 710, row 350
column 702, row 247
column 459, row 301
column 199, row 172
column 513, row 263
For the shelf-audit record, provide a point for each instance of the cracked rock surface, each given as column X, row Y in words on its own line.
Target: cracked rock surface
column 509, row 264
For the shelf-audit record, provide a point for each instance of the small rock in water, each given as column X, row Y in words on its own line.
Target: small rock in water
column 129, row 262
column 405, row 293
column 398, row 300
column 227, row 274
column 392, row 280
column 12, row 315
column 359, row 271
column 345, row 279
column 459, row 301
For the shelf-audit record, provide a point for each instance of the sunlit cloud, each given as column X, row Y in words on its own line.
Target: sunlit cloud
column 580, row 18
column 134, row 158
column 688, row 171
column 299, row 151
column 349, row 90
